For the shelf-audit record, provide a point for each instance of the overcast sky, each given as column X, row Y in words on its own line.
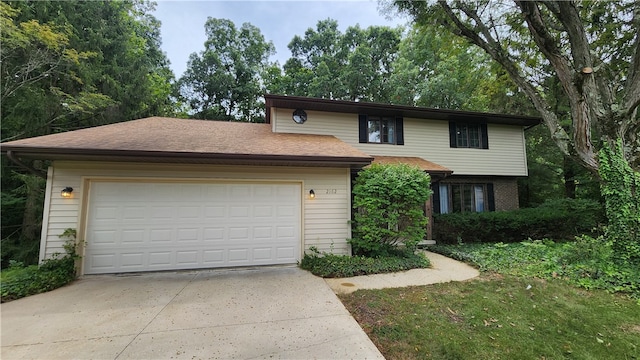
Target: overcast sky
column 183, row 21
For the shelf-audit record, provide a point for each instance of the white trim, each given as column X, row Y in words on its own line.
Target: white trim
column 45, row 215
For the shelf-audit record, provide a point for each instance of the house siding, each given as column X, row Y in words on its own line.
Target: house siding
column 428, row 139
column 325, row 218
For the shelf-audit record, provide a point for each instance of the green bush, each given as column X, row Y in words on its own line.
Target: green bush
column 558, row 219
column 388, row 201
column 19, row 281
column 337, row 266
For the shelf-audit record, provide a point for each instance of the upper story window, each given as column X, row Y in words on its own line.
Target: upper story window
column 468, row 135
column 381, row 130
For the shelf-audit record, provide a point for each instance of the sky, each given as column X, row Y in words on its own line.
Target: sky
column 279, row 21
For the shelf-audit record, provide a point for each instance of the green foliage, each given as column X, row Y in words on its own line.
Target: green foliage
column 621, row 191
column 19, row 281
column 586, row 262
column 326, row 63
column 389, row 202
column 223, row 82
column 337, row 266
column 556, row 219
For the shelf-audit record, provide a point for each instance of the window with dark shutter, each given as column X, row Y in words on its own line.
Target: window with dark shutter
column 380, row 130
column 362, row 125
column 466, row 135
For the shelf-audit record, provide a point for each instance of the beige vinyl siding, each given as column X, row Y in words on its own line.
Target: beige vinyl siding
column 325, row 218
column 428, row 139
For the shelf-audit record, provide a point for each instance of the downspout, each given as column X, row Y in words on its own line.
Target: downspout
column 31, row 169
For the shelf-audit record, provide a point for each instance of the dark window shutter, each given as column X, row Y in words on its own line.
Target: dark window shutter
column 485, row 136
column 436, row 197
column 362, row 122
column 452, row 134
column 399, row 131
column 491, row 199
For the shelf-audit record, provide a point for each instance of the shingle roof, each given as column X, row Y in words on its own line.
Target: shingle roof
column 181, row 138
column 422, row 164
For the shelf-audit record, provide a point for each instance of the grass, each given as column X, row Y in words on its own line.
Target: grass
column 498, row 317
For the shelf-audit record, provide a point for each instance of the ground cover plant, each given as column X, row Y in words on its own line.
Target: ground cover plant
column 498, row 317
column 585, row 262
column 18, row 280
column 336, row 266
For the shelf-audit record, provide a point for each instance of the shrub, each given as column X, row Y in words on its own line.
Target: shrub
column 19, row 281
column 336, row 266
column 558, row 219
column 388, row 203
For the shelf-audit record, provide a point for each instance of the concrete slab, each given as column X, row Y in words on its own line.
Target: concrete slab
column 279, row 312
column 443, row 269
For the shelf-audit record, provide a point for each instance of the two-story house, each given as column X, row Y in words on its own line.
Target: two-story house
column 165, row 194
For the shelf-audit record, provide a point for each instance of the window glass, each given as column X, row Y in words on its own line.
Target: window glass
column 381, row 130
column 462, row 135
column 374, row 131
column 388, row 131
column 474, row 136
column 444, row 199
column 462, row 198
column 468, row 136
column 467, row 198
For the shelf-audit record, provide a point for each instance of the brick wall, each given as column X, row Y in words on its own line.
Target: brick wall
column 506, row 194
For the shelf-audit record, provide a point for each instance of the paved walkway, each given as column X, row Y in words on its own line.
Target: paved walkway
column 443, row 269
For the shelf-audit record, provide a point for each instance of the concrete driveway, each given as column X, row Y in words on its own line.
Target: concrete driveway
column 280, row 312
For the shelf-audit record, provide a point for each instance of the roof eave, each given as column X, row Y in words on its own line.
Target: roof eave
column 318, row 104
column 185, row 157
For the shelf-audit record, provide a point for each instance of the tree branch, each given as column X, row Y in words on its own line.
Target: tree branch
column 580, row 109
column 495, row 50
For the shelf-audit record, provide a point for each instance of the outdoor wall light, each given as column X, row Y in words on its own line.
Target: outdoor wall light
column 312, row 194
column 67, row 192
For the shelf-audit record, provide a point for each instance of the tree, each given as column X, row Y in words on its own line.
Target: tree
column 592, row 49
column 224, row 81
column 70, row 65
column 326, row 63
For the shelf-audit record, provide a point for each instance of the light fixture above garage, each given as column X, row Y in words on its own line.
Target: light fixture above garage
column 299, row 116
column 67, row 192
column 312, row 194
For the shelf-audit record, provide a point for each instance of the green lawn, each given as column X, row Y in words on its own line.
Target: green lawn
column 534, row 300
column 499, row 317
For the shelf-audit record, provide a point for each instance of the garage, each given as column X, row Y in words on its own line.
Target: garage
column 134, row 225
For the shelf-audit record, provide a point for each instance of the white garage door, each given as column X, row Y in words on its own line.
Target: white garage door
column 134, row 226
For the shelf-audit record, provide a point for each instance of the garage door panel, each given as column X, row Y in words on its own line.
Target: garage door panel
column 180, row 226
